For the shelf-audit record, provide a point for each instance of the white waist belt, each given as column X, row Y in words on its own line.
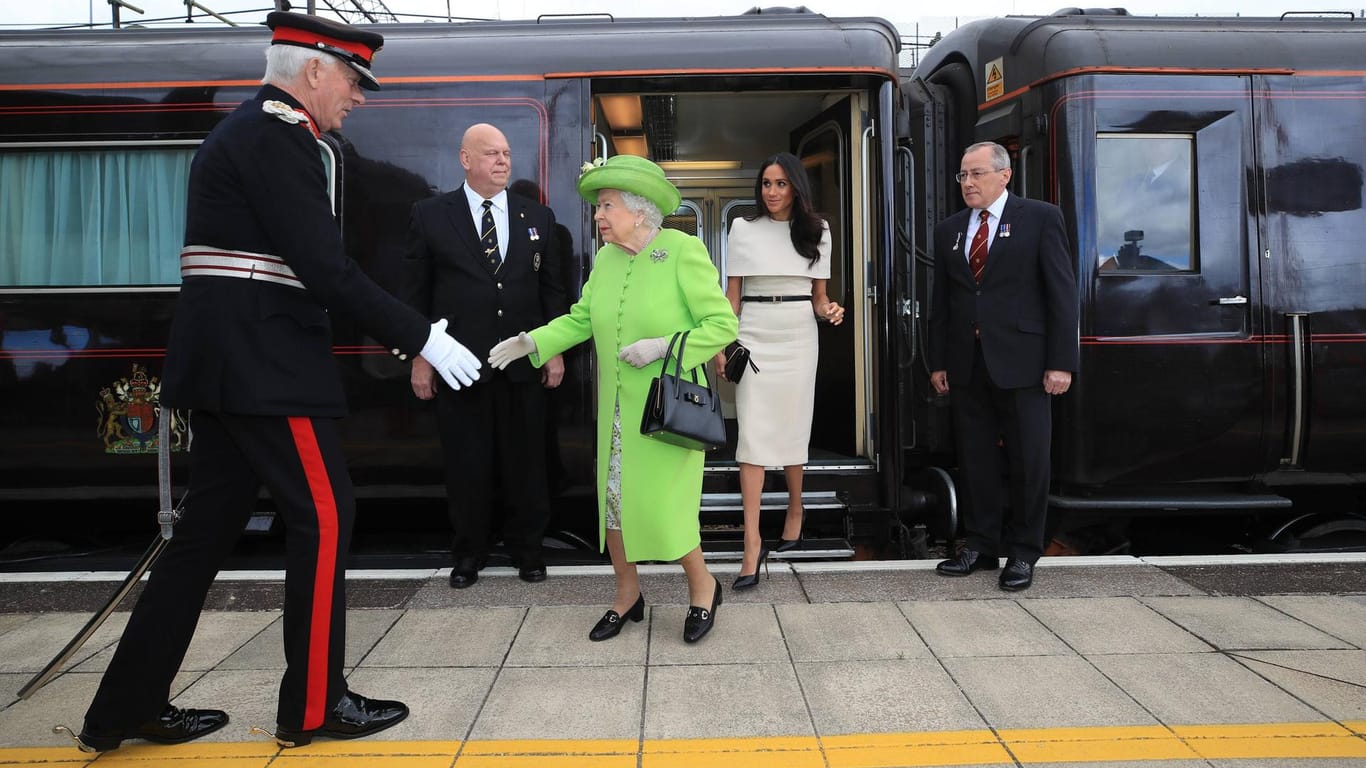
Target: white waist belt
column 207, row 261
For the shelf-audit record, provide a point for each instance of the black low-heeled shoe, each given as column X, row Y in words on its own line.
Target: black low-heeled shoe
column 700, row 620
column 610, row 623
column 751, row 580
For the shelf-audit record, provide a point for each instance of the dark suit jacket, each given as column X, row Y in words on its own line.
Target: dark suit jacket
column 250, row 347
column 1025, row 307
column 446, row 274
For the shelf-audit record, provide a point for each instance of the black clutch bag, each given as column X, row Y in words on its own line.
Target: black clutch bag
column 737, row 360
column 682, row 412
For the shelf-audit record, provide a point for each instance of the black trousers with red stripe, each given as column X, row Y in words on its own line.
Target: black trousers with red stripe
column 300, row 461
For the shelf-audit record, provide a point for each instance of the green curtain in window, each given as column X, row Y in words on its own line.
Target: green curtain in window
column 104, row 217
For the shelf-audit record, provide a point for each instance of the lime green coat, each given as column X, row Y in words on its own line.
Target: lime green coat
column 669, row 286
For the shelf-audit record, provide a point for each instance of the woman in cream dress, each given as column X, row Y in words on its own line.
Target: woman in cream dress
column 777, row 264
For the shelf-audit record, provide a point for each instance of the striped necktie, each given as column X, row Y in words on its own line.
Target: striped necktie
column 977, row 254
column 488, row 235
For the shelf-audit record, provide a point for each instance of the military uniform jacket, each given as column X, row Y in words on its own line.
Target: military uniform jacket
column 447, row 275
column 1025, row 307
column 252, row 347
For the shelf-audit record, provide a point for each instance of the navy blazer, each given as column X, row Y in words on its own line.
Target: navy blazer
column 447, row 275
column 1026, row 306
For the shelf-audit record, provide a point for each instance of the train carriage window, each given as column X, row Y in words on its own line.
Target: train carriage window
column 1145, row 209
column 92, row 217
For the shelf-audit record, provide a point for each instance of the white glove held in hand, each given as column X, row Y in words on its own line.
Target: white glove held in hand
column 645, row 351
column 457, row 365
column 508, row 350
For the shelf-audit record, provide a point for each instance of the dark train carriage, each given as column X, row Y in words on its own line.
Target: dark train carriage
column 1210, row 171
column 98, row 128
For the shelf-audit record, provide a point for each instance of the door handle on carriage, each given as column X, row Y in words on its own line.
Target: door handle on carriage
column 1224, row 301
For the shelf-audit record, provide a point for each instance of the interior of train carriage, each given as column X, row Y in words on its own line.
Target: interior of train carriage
column 711, row 144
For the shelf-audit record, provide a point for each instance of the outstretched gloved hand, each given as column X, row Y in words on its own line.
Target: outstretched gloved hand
column 456, row 364
column 508, row 350
column 642, row 353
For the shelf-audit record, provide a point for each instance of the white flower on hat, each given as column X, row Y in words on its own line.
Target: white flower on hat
column 597, row 163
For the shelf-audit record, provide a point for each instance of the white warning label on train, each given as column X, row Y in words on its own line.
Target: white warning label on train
column 994, row 76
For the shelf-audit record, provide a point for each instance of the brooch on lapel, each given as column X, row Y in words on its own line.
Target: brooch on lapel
column 533, row 234
column 659, row 254
column 1003, row 230
column 535, row 261
column 958, row 238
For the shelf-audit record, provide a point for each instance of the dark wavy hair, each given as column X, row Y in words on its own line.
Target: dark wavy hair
column 807, row 226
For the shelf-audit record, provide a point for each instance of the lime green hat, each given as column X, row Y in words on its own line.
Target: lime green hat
column 633, row 174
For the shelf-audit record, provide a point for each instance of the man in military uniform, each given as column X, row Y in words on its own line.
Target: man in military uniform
column 250, row 352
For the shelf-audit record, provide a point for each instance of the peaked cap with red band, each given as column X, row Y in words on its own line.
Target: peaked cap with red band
column 354, row 46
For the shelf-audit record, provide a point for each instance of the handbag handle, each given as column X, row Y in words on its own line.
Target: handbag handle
column 681, row 338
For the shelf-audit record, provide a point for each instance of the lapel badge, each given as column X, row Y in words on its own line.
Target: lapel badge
column 1003, row 230
column 535, row 261
column 659, row 255
column 958, row 238
column 533, row 234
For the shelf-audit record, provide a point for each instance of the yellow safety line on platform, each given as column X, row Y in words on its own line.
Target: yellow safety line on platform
column 1110, row 744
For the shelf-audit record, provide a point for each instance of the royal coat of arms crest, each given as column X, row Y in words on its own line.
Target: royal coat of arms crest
column 128, row 412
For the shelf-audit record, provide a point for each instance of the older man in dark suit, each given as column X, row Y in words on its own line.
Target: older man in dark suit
column 487, row 261
column 1003, row 333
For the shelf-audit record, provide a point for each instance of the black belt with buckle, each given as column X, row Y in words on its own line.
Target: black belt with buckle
column 774, row 299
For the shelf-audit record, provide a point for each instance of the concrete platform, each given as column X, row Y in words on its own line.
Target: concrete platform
column 1257, row 661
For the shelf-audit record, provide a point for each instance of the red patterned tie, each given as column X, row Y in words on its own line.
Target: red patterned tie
column 977, row 254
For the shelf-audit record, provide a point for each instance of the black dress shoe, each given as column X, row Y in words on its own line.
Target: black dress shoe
column 700, row 620
column 1017, row 575
column 173, row 726
column 353, row 716
column 466, row 571
column 531, row 571
column 610, row 624
column 966, row 562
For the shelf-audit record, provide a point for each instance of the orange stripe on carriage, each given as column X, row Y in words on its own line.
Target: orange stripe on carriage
column 320, row 622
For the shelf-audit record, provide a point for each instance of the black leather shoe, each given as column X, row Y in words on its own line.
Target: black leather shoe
column 1017, row 575
column 751, row 580
column 173, row 726
column 531, row 571
column 967, row 561
column 700, row 620
column 353, row 716
column 466, row 572
column 610, row 624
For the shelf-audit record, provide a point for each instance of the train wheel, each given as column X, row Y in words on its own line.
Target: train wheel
column 1317, row 532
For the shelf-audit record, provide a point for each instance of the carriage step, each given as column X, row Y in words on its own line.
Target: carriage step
column 732, row 550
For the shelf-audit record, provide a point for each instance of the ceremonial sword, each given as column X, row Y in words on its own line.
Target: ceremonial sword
column 166, row 518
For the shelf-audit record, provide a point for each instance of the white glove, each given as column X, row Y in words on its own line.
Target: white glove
column 645, row 351
column 456, row 364
column 508, row 350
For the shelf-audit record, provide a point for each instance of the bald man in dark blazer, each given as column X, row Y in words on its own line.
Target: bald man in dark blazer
column 1003, row 339
column 493, row 435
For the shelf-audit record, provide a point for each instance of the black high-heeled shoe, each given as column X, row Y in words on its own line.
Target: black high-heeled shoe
column 751, row 580
column 700, row 620
column 787, row 545
column 610, row 624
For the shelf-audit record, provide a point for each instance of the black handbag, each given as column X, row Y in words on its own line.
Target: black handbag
column 681, row 412
column 737, row 360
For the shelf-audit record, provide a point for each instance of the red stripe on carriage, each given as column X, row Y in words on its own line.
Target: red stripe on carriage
column 320, row 623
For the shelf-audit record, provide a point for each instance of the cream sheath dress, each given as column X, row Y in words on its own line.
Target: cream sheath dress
column 773, row 405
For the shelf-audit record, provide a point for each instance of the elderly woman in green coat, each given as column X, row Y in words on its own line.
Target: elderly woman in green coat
column 647, row 284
